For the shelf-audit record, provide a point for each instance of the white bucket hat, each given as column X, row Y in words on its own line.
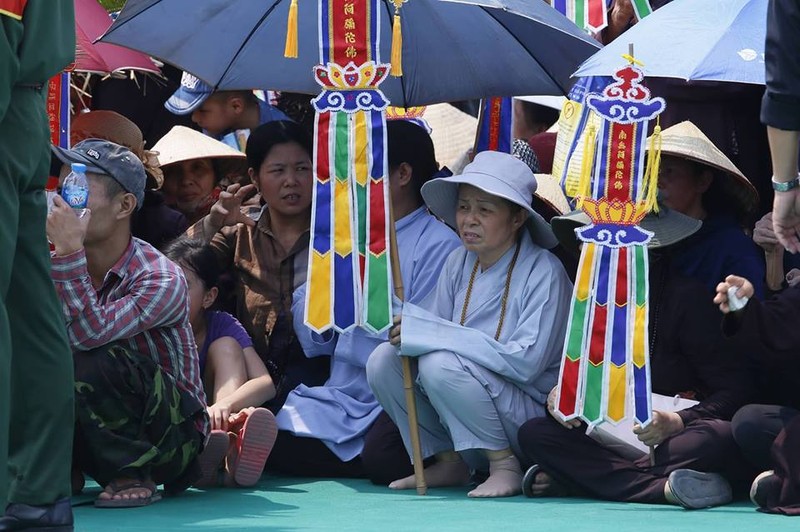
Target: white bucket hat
column 498, row 174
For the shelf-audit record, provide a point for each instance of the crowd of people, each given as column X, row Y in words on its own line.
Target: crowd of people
column 169, row 334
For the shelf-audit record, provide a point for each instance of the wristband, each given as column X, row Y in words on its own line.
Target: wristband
column 785, row 186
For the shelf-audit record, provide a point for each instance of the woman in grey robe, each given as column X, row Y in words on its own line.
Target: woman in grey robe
column 488, row 339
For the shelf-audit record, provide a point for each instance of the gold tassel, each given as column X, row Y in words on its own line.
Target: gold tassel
column 290, row 50
column 651, row 171
column 587, row 166
column 397, row 43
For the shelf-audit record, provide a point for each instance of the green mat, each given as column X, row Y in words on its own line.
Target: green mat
column 280, row 503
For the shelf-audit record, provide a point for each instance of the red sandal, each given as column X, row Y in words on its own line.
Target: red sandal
column 253, row 445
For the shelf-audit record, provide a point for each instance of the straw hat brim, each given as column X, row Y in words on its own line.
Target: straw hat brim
column 452, row 132
column 685, row 140
column 441, row 196
column 668, row 227
column 185, row 144
column 549, row 193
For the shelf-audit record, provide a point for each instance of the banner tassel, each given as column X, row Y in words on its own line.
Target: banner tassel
column 290, row 50
column 397, row 43
column 653, row 166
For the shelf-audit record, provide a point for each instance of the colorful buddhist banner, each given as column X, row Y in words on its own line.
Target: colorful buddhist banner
column 349, row 274
column 605, row 367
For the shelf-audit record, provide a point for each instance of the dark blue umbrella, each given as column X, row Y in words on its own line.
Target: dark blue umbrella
column 452, row 49
column 713, row 40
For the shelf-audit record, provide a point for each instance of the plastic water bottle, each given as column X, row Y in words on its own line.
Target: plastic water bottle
column 75, row 190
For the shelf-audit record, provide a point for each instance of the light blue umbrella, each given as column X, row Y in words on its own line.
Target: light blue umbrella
column 452, row 49
column 713, row 40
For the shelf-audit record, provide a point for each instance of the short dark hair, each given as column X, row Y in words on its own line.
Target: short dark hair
column 409, row 143
column 198, row 257
column 267, row 136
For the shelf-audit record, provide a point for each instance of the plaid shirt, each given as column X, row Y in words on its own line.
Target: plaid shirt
column 143, row 304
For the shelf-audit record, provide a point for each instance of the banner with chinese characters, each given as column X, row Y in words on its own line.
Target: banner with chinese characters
column 605, row 365
column 349, row 274
column 58, row 109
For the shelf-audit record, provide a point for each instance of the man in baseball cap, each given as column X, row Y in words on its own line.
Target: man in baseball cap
column 127, row 314
column 105, row 158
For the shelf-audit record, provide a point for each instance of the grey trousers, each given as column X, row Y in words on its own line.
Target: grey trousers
column 460, row 404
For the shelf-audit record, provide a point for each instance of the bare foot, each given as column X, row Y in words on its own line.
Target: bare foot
column 505, row 479
column 127, row 489
column 440, row 474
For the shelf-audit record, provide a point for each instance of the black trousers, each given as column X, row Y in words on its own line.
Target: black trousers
column 309, row 457
column 769, row 437
column 588, row 467
column 755, row 428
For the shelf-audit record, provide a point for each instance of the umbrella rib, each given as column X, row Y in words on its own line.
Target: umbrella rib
column 557, row 84
column 246, row 40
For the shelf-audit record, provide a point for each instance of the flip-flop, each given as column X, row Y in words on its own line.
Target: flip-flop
column 254, row 443
column 210, row 460
column 117, row 487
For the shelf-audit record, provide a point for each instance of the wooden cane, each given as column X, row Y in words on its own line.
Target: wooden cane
column 408, row 383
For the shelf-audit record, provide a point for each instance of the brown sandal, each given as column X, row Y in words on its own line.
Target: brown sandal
column 119, row 486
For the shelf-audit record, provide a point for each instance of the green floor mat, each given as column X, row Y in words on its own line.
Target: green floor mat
column 279, row 503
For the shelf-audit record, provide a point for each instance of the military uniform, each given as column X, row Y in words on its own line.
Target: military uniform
column 37, row 40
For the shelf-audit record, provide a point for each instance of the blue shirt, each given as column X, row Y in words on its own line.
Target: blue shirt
column 237, row 139
column 340, row 412
column 720, row 248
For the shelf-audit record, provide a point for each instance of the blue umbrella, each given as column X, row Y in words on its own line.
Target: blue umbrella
column 452, row 49
column 714, row 40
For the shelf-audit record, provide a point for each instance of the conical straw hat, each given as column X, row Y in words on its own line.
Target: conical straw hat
column 452, row 131
column 687, row 141
column 185, row 144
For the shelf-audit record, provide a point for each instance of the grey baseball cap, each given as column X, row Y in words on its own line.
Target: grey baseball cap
column 104, row 157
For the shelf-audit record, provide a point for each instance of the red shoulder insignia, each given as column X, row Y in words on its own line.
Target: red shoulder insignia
column 13, row 8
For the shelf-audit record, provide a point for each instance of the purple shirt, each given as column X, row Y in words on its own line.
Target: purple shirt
column 219, row 325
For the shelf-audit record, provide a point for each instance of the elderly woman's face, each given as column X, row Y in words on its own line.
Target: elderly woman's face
column 486, row 224
column 188, row 183
column 681, row 185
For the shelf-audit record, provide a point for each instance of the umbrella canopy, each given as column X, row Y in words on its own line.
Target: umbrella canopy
column 452, row 49
column 713, row 40
column 91, row 21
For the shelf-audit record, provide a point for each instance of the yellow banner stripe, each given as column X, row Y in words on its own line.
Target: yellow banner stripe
column 585, row 275
column 361, row 157
column 343, row 239
column 616, row 393
column 319, row 314
column 639, row 336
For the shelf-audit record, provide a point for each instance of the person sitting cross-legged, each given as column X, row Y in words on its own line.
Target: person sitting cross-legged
column 695, row 460
column 139, row 403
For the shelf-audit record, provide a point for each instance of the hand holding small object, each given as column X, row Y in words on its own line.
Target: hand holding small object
column 733, row 293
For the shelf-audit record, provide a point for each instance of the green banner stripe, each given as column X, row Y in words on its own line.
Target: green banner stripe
column 341, row 156
column 580, row 14
column 642, row 8
column 640, row 253
column 594, row 393
column 576, row 330
column 378, row 307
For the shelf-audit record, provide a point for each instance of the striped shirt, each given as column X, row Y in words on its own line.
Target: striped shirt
column 143, row 304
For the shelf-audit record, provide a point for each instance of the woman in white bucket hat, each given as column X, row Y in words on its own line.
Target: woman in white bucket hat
column 489, row 339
